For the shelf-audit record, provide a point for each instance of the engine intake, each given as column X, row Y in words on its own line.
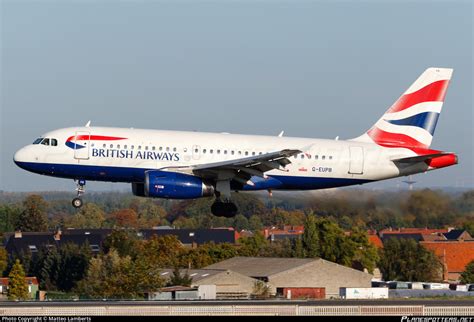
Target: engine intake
column 172, row 185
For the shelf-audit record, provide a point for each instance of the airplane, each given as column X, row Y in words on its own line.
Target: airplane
column 189, row 165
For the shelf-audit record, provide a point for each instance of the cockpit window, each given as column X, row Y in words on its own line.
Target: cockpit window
column 54, row 142
column 45, row 141
column 38, row 140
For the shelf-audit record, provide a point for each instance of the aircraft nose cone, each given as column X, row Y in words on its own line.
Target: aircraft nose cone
column 20, row 157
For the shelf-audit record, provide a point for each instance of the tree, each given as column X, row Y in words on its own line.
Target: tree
column 406, row 260
column 261, row 289
column 365, row 253
column 124, row 241
column 252, row 246
column 17, row 285
column 310, row 239
column 3, row 260
column 74, row 261
column 33, row 217
column 467, row 277
column 177, row 279
column 126, row 218
column 9, row 217
column 114, row 277
column 90, row 216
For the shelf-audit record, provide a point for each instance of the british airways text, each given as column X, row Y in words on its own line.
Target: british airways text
column 126, row 154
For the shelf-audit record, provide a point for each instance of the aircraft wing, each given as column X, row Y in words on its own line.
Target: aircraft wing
column 242, row 169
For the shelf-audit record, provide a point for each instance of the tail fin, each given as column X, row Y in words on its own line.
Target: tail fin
column 411, row 120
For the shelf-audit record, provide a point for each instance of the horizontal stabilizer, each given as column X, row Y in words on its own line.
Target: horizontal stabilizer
column 420, row 158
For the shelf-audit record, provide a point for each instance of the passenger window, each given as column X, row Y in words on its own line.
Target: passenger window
column 161, row 148
column 167, row 149
column 324, row 157
column 118, row 146
column 316, row 157
column 240, row 152
column 132, row 147
column 253, row 153
column 139, row 147
column 196, row 150
column 111, row 146
column 146, row 148
column 204, row 151
column 302, row 156
column 232, row 152
column 185, row 149
column 211, row 151
column 218, row 151
column 330, row 157
column 246, row 152
column 309, row 156
column 104, row 145
column 45, row 142
column 153, row 148
column 125, row 147
column 174, row 149
column 225, row 151
column 54, row 142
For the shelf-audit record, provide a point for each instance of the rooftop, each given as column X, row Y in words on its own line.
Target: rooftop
column 454, row 254
column 261, row 266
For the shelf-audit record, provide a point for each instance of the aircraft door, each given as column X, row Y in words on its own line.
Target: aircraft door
column 196, row 152
column 81, row 145
column 356, row 162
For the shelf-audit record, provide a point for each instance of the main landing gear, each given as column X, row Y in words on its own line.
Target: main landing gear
column 77, row 202
column 223, row 206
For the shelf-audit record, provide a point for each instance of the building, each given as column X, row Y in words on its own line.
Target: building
column 202, row 292
column 417, row 234
column 454, row 255
column 31, row 242
column 33, row 287
column 24, row 242
column 287, row 232
column 229, row 284
column 194, row 237
column 286, row 273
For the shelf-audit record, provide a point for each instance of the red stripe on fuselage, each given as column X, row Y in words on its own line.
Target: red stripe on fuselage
column 434, row 92
column 94, row 137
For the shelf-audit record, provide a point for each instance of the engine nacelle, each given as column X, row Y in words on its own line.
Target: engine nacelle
column 172, row 185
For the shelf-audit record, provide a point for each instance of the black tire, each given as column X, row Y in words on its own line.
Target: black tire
column 77, row 203
column 224, row 209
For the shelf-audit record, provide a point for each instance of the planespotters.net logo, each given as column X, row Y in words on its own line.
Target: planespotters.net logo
column 437, row 319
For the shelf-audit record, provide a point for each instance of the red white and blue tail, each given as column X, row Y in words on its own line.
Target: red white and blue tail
column 411, row 121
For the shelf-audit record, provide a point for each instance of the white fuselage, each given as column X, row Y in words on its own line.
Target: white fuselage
column 122, row 155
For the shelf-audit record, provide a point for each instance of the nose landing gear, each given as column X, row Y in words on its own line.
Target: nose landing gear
column 77, row 202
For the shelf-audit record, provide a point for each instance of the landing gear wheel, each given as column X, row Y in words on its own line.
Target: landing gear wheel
column 77, row 202
column 224, row 209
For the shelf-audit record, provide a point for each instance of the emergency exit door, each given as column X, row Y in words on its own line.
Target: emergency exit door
column 81, row 145
column 356, row 163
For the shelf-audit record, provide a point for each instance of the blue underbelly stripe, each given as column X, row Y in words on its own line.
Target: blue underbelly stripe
column 126, row 174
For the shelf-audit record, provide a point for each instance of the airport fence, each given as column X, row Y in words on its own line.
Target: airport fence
column 236, row 310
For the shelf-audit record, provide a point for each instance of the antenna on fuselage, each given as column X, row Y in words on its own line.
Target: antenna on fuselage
column 88, row 124
column 281, row 134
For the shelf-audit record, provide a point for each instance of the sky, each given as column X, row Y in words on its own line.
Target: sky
column 316, row 69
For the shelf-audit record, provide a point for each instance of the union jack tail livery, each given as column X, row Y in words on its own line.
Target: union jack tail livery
column 411, row 121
